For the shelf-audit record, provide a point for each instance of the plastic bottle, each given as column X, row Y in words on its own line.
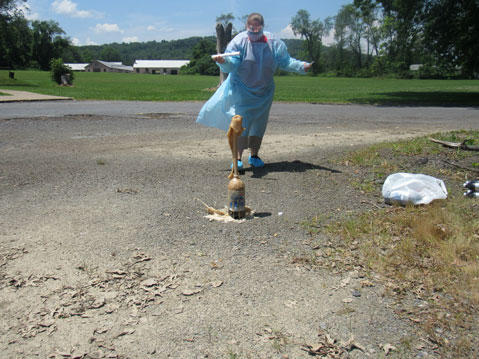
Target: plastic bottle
column 236, row 198
column 472, row 185
column 471, row 194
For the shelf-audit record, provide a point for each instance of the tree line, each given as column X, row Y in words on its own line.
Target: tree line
column 379, row 37
column 371, row 38
column 28, row 44
column 129, row 52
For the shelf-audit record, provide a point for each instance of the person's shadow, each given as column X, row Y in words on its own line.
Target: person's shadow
column 286, row 166
column 283, row 166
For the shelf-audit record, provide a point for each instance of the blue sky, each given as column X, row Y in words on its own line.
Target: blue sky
column 88, row 22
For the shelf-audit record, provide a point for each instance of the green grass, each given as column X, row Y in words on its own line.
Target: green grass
column 426, row 251
column 374, row 155
column 113, row 86
column 382, row 91
column 382, row 159
column 135, row 87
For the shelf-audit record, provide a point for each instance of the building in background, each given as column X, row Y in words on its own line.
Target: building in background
column 415, row 67
column 77, row 67
column 103, row 66
column 162, row 67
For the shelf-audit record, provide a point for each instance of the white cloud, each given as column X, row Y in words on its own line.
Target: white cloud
column 27, row 12
column 130, row 39
column 67, row 7
column 90, row 42
column 328, row 40
column 150, row 28
column 101, row 28
column 287, row 33
column 76, row 41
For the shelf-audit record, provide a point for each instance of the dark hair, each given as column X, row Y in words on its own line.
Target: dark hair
column 255, row 17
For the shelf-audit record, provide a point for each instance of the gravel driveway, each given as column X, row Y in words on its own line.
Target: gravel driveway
column 105, row 251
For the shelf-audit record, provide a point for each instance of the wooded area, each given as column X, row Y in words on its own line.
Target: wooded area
column 372, row 38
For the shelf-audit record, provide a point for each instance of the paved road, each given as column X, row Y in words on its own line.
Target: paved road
column 294, row 112
column 166, row 131
column 88, row 186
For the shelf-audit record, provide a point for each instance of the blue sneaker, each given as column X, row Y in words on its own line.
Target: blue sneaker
column 240, row 165
column 255, row 161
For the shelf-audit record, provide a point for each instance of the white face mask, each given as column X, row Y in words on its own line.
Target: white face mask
column 255, row 36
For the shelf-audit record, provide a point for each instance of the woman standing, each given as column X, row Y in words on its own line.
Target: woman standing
column 249, row 89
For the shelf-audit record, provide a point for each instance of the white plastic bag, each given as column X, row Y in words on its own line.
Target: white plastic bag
column 404, row 188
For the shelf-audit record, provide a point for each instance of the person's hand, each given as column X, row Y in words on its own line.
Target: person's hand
column 307, row 66
column 219, row 59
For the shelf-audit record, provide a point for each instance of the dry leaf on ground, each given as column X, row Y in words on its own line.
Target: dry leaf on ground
column 190, row 292
column 388, row 348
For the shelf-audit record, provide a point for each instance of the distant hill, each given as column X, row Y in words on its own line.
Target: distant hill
column 152, row 50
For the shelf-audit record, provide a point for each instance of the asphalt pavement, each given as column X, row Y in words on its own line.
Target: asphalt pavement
column 369, row 116
column 95, row 189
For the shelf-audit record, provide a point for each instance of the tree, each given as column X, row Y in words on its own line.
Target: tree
column 452, row 33
column 15, row 36
column 312, row 32
column 15, row 42
column 349, row 31
column 110, row 54
column 403, row 25
column 151, row 50
column 201, row 62
column 369, row 12
column 225, row 19
column 58, row 69
column 73, row 54
column 47, row 42
column 8, row 6
column 340, row 32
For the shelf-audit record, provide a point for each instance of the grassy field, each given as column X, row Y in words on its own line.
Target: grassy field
column 135, row 87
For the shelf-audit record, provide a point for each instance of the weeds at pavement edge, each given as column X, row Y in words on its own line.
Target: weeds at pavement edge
column 427, row 252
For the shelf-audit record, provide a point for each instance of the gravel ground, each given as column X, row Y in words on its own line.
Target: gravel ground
column 105, row 251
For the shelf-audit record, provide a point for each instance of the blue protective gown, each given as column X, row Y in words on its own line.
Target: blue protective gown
column 249, row 89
